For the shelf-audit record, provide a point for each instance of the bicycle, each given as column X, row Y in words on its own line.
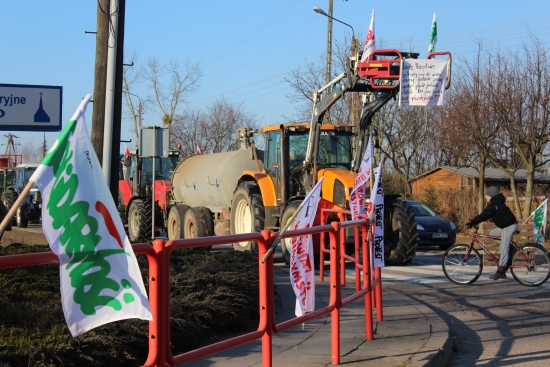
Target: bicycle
column 529, row 263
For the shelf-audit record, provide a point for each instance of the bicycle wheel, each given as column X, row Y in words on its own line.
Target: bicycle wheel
column 462, row 266
column 530, row 266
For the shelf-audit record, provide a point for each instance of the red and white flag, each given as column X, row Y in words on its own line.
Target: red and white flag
column 376, row 216
column 100, row 277
column 302, row 270
column 127, row 151
column 370, row 44
column 358, row 195
column 198, row 150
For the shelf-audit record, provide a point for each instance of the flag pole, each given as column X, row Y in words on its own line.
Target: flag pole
column 285, row 228
column 15, row 206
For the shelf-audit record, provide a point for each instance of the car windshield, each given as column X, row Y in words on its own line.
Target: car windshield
column 421, row 210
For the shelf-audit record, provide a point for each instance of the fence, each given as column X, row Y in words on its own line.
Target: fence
column 368, row 286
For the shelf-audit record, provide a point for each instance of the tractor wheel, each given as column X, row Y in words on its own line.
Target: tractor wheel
column 22, row 216
column 400, row 233
column 198, row 222
column 8, row 198
column 139, row 221
column 175, row 221
column 286, row 243
column 122, row 209
column 247, row 214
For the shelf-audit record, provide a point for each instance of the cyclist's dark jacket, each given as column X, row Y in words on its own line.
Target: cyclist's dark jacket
column 496, row 210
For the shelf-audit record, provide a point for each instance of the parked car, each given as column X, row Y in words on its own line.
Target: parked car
column 433, row 229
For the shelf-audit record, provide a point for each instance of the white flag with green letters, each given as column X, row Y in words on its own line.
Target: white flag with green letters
column 100, row 278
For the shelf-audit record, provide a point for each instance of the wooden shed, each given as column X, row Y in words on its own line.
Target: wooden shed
column 457, row 178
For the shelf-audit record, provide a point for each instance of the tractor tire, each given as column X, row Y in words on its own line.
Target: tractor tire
column 174, row 228
column 8, row 198
column 400, row 233
column 22, row 216
column 139, row 221
column 286, row 243
column 247, row 214
column 122, row 209
column 198, row 222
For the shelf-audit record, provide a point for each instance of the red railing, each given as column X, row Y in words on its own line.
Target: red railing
column 158, row 255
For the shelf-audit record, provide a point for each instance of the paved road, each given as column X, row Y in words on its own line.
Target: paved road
column 492, row 323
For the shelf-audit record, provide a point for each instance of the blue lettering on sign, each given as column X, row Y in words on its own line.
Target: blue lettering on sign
column 11, row 100
column 2, row 113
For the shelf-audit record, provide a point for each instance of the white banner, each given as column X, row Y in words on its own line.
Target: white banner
column 358, row 196
column 100, row 278
column 422, row 82
column 302, row 271
column 376, row 215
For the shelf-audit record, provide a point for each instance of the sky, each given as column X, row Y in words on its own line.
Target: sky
column 244, row 47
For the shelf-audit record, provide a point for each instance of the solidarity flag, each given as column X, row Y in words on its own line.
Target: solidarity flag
column 376, row 216
column 370, row 44
column 433, row 36
column 539, row 222
column 302, row 271
column 198, row 150
column 357, row 196
column 100, row 278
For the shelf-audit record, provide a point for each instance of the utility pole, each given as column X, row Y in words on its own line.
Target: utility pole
column 100, row 77
column 100, row 88
column 328, row 61
column 117, row 115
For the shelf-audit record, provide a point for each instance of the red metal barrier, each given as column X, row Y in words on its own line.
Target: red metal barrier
column 158, row 257
column 44, row 258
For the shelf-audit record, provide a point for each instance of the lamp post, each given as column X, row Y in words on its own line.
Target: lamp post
column 354, row 53
column 328, row 60
column 322, row 12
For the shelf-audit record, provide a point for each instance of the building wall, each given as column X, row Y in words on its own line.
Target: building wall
column 441, row 180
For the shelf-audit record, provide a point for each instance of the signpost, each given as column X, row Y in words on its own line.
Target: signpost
column 30, row 107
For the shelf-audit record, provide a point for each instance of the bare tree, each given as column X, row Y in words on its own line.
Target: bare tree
column 213, row 130
column 131, row 77
column 521, row 104
column 171, row 84
column 31, row 153
column 307, row 78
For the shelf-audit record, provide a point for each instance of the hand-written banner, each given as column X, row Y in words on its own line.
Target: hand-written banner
column 423, row 82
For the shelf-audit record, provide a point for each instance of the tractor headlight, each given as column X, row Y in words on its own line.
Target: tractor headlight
column 339, row 193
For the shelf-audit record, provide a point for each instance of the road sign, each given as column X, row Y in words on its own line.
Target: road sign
column 30, row 107
column 153, row 142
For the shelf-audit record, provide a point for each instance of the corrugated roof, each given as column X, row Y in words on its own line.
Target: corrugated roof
column 491, row 174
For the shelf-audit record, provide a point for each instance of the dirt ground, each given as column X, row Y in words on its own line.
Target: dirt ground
column 23, row 236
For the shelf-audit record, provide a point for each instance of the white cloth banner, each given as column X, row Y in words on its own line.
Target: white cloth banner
column 370, row 42
column 100, row 277
column 358, row 192
column 302, row 270
column 376, row 216
column 423, row 82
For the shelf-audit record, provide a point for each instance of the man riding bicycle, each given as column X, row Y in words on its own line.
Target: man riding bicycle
column 505, row 222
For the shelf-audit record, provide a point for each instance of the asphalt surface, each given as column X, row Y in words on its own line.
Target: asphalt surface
column 411, row 334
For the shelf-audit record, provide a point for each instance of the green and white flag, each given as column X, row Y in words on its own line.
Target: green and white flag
column 100, row 278
column 433, row 36
column 539, row 222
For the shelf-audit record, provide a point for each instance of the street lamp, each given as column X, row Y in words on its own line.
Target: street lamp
column 322, row 12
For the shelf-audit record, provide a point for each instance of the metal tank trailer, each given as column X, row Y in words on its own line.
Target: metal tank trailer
column 203, row 186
